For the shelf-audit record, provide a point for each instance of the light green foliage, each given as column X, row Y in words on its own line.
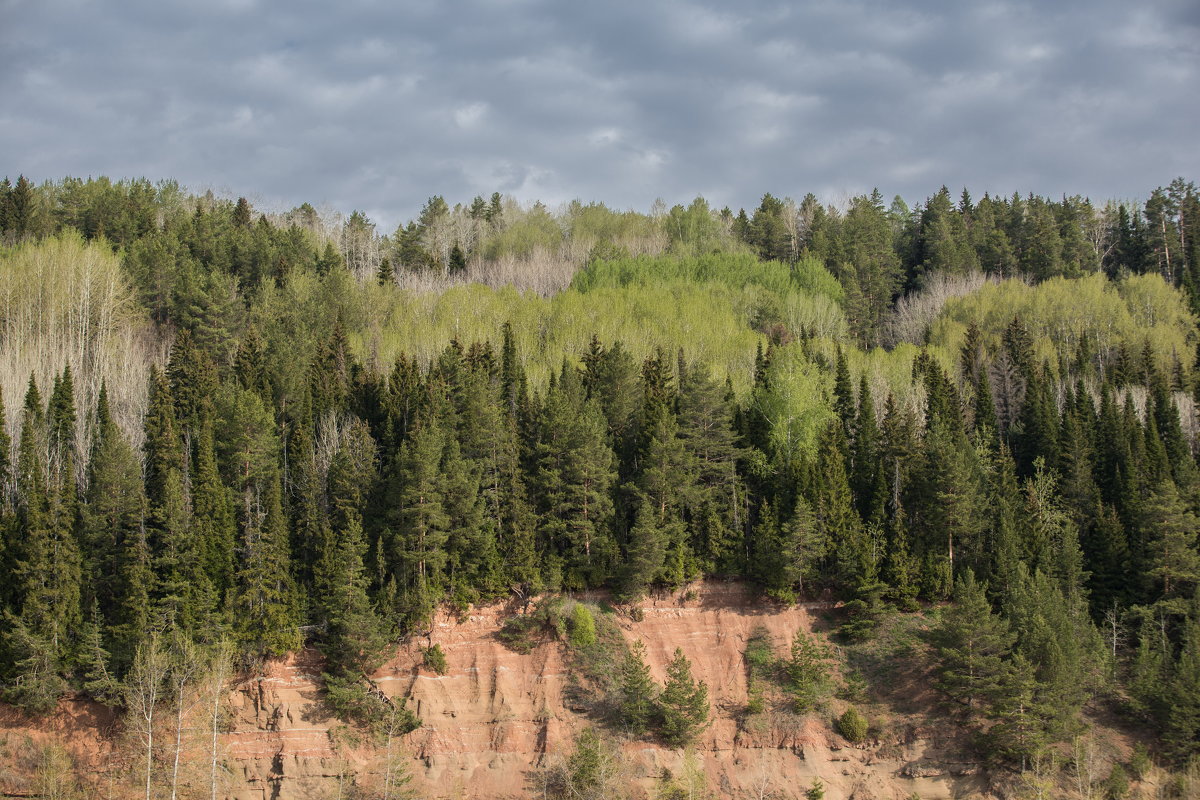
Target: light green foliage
column 66, row 303
column 385, row 321
column 535, row 230
column 816, row 791
column 588, row 773
column 795, row 403
column 729, row 269
column 1060, row 312
column 853, row 725
column 1139, row 762
column 583, row 626
column 760, row 668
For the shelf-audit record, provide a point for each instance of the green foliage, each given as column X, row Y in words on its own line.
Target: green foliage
column 1062, row 313
column 683, row 703
column 583, row 627
column 1116, row 785
column 759, row 653
column 435, row 659
column 806, row 673
column 522, row 633
column 853, row 726
column 815, row 791
column 1140, row 762
column 588, row 773
column 637, row 691
column 350, row 699
column 330, row 454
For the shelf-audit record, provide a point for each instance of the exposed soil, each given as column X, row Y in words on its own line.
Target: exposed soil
column 496, row 716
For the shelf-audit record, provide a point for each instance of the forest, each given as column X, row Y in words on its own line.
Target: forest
column 226, row 427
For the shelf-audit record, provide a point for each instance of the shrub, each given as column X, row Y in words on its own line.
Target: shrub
column 758, row 654
column 1139, row 762
column 853, row 726
column 435, row 659
column 756, row 704
column 1116, row 785
column 583, row 627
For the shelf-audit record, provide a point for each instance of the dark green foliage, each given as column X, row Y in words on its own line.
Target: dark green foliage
column 683, row 703
column 1116, row 785
column 435, row 659
column 638, row 692
column 973, row 645
column 853, row 726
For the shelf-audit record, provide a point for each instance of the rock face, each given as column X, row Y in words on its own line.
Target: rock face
column 496, row 716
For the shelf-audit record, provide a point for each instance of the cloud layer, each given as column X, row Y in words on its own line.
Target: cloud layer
column 377, row 105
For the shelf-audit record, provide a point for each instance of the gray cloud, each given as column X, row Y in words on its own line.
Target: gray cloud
column 376, row 105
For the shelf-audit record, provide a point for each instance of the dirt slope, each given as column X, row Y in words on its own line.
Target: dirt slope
column 496, row 716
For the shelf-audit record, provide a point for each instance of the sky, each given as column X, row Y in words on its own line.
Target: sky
column 376, row 106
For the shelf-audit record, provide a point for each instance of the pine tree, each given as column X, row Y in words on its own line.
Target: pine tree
column 95, row 670
column 1182, row 734
column 387, row 273
column 1169, row 529
column 683, row 703
column 706, row 432
column 573, row 480
column 638, row 691
column 182, row 594
column 837, row 521
column 113, row 510
column 45, row 570
column 973, row 645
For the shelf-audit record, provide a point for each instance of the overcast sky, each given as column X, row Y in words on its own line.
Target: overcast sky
column 378, row 105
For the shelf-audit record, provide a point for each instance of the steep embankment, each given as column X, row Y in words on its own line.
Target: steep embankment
column 496, row 717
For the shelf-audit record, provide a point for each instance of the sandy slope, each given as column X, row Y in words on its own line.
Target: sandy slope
column 496, row 716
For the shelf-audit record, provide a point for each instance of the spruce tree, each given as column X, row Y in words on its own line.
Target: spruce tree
column 419, row 525
column 638, row 691
column 683, row 703
column 264, row 606
column 215, row 529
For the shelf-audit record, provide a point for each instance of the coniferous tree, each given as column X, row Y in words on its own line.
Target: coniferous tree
column 213, row 522
column 573, row 479
column 638, row 692
column 264, row 607
column 683, row 703
column 973, row 644
column 45, row 571
column 113, row 511
column 419, row 524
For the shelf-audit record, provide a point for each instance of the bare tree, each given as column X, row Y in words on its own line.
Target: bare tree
column 55, row 774
column 213, row 689
column 144, row 687
column 185, row 666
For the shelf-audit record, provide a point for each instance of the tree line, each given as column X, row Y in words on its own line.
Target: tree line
column 317, row 494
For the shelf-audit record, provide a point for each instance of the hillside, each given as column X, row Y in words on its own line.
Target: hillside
column 228, row 436
column 496, row 717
